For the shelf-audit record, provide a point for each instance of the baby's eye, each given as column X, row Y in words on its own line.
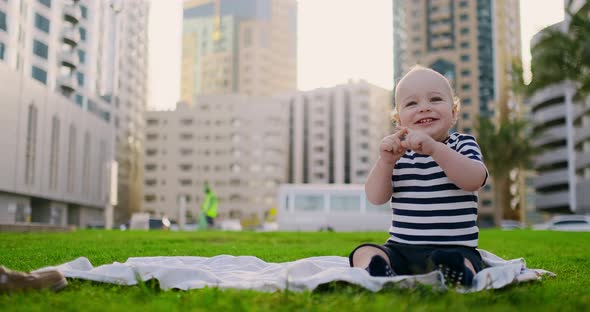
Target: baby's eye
column 436, row 99
column 410, row 103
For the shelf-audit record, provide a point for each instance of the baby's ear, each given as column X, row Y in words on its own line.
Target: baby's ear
column 455, row 109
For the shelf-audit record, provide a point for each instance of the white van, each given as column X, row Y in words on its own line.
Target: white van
column 338, row 207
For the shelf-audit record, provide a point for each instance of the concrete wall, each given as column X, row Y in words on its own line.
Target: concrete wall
column 18, row 93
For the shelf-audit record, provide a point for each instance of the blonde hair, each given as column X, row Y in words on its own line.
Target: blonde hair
column 456, row 101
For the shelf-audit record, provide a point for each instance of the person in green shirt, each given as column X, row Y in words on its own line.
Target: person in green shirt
column 209, row 206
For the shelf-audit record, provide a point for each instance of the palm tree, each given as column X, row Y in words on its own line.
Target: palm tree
column 505, row 148
column 564, row 55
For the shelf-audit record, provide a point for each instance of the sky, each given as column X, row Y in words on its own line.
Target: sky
column 334, row 46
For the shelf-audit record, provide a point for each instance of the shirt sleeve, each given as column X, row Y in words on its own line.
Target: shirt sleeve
column 467, row 146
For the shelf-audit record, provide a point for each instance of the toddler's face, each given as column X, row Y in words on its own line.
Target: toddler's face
column 424, row 103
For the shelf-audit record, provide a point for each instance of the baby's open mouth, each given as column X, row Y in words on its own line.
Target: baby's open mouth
column 426, row 120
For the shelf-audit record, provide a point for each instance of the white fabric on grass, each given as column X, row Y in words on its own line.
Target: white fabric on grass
column 247, row 272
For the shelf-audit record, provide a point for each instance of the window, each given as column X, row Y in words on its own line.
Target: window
column 309, row 203
column 465, row 44
column 39, row 74
column 82, row 56
column 86, row 164
column 40, row 49
column 464, row 17
column 464, row 31
column 41, row 22
column 82, row 33
column 466, row 102
column 3, row 21
column 31, row 144
column 84, row 11
column 46, row 3
column 80, row 78
column 80, row 100
column 72, row 158
column 54, row 153
column 2, row 50
column 464, row 57
column 343, row 203
column 465, row 116
column 466, row 73
column 466, row 87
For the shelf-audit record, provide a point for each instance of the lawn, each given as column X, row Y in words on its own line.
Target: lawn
column 566, row 254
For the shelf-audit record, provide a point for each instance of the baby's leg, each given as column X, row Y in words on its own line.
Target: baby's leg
column 371, row 258
column 455, row 267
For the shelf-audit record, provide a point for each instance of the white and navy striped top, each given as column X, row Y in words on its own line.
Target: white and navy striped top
column 429, row 209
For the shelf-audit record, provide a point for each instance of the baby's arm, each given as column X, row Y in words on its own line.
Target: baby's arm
column 378, row 186
column 466, row 173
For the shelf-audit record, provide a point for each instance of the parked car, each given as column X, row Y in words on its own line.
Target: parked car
column 511, row 225
column 578, row 223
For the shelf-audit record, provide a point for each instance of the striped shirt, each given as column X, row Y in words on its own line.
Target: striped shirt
column 429, row 209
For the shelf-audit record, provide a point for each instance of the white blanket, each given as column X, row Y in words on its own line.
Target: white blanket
column 247, row 272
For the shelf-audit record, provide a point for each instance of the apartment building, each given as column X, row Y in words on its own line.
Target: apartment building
column 562, row 183
column 56, row 130
column 244, row 147
column 69, row 51
column 234, row 143
column 334, row 133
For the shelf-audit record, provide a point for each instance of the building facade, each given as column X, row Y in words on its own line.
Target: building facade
column 247, row 47
column 334, row 133
column 562, row 183
column 244, row 147
column 56, row 153
column 473, row 44
column 124, row 85
column 234, row 143
column 71, row 49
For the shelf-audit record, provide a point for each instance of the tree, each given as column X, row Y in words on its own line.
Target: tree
column 564, row 54
column 505, row 147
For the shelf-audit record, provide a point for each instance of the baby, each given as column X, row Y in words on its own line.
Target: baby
column 431, row 179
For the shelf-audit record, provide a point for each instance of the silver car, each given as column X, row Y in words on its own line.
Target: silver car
column 576, row 223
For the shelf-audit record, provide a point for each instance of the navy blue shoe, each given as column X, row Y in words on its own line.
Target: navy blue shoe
column 452, row 266
column 379, row 267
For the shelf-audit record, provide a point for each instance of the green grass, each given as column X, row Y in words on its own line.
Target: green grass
column 566, row 254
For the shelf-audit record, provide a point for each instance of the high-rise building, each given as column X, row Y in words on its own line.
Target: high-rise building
column 124, row 85
column 247, row 47
column 57, row 131
column 334, row 133
column 562, row 183
column 473, row 44
column 92, row 53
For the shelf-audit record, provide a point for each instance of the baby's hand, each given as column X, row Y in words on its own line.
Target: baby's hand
column 419, row 142
column 391, row 148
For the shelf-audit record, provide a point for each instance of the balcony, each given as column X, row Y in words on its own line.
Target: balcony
column 582, row 160
column 551, row 178
column 554, row 156
column 551, row 113
column 71, row 36
column 67, row 83
column 69, row 59
column 551, row 135
column 553, row 200
column 581, row 134
column 72, row 13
